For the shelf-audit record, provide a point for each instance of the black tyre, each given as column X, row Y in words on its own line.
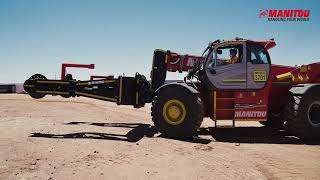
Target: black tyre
column 159, row 69
column 31, row 91
column 37, row 77
column 302, row 114
column 176, row 112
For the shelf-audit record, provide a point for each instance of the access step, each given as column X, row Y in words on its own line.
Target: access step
column 224, row 125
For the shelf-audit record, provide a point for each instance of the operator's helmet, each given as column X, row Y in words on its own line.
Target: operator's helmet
column 233, row 51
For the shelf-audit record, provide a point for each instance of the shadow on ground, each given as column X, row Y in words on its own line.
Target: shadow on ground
column 137, row 132
column 204, row 136
column 262, row 135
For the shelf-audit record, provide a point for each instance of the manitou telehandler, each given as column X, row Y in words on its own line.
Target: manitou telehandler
column 246, row 88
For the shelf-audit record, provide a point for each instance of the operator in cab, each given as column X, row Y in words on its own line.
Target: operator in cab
column 233, row 56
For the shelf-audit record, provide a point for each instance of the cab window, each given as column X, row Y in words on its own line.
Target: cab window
column 228, row 55
column 258, row 55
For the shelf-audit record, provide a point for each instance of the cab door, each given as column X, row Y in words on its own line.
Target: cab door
column 258, row 66
column 224, row 76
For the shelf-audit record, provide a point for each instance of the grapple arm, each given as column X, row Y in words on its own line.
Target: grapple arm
column 122, row 90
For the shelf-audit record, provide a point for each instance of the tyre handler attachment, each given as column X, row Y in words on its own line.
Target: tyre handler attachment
column 122, row 90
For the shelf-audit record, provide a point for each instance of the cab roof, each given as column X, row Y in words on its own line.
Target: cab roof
column 267, row 44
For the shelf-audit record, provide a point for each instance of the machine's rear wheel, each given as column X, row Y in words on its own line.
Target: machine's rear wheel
column 30, row 91
column 176, row 112
column 303, row 114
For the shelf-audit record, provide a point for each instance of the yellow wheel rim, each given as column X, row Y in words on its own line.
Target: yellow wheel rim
column 174, row 112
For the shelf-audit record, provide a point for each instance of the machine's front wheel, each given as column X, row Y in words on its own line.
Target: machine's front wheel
column 303, row 114
column 176, row 112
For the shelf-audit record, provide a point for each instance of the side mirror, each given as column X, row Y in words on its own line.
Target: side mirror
column 219, row 51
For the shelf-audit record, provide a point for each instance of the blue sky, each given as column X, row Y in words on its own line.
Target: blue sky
column 36, row 36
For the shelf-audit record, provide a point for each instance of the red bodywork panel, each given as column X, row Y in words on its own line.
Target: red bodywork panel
column 254, row 105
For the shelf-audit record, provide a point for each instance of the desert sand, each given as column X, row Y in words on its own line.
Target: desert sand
column 81, row 138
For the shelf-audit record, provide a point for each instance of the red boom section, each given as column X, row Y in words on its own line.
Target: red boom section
column 176, row 62
column 65, row 65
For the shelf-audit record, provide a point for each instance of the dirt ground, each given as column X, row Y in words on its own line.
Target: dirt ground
column 80, row 138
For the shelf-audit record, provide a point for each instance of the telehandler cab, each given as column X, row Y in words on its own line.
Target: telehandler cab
column 244, row 87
